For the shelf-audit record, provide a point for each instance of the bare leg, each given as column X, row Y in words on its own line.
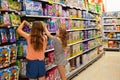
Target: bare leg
column 61, row 70
column 42, row 78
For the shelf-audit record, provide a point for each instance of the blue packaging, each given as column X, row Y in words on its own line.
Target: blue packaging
column 4, row 74
column 12, row 35
column 4, row 35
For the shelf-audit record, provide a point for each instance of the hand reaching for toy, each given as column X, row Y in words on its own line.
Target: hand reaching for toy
column 26, row 22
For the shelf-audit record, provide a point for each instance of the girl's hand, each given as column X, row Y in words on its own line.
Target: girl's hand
column 26, row 22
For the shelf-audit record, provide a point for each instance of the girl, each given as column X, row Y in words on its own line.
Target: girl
column 37, row 42
column 60, row 45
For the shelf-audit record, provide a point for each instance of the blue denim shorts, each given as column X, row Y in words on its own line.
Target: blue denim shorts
column 35, row 69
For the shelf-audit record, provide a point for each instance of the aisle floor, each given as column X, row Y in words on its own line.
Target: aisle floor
column 106, row 68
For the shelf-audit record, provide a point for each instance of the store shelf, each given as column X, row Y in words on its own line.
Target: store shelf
column 51, row 67
column 49, row 50
column 83, row 41
column 111, row 24
column 83, row 52
column 112, row 48
column 10, row 11
column 82, row 67
column 81, row 29
column 42, row 16
column 115, row 39
column 111, row 17
column 110, row 31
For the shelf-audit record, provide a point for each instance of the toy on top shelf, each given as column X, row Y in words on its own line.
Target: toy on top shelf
column 32, row 7
column 3, row 5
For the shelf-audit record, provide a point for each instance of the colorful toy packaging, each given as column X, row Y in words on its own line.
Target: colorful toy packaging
column 13, row 53
column 3, row 5
column 4, row 56
column 4, row 74
column 53, row 74
column 49, row 44
column 1, row 20
column 4, row 36
column 26, row 29
column 32, row 7
column 12, row 35
column 22, row 48
column 6, row 20
column 14, row 73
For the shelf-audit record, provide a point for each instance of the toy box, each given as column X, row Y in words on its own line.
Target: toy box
column 4, row 36
column 6, row 20
column 4, row 74
column 110, row 44
column 3, row 5
column 13, row 53
column 1, row 20
column 26, row 29
column 12, row 35
column 4, row 56
column 22, row 48
column 14, row 73
column 51, row 58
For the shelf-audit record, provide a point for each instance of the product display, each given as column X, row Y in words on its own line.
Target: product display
column 111, row 30
column 80, row 19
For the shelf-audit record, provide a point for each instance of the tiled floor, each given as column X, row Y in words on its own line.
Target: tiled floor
column 106, row 68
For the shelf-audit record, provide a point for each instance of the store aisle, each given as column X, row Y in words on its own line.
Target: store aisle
column 106, row 68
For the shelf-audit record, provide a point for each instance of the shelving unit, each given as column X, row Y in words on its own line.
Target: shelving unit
column 111, row 31
column 81, row 19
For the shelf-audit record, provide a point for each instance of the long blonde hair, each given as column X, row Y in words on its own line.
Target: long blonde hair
column 37, row 36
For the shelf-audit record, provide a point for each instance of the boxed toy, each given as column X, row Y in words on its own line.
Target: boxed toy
column 3, row 5
column 14, row 73
column 4, row 35
column 22, row 48
column 12, row 35
column 13, row 53
column 4, row 74
column 1, row 20
column 110, row 44
column 4, row 56
column 6, row 20
column 51, row 58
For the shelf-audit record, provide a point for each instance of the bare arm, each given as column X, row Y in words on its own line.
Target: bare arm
column 20, row 31
column 47, row 32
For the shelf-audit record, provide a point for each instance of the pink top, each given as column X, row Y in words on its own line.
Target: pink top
column 36, row 55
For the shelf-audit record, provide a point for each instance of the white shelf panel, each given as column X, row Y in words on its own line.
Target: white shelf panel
column 111, row 17
column 83, row 52
column 83, row 40
column 112, row 48
column 111, row 24
column 51, row 67
column 49, row 50
column 82, row 66
column 81, row 29
column 115, row 39
column 110, row 31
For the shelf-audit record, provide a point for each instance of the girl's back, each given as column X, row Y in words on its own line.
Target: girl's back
column 32, row 54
